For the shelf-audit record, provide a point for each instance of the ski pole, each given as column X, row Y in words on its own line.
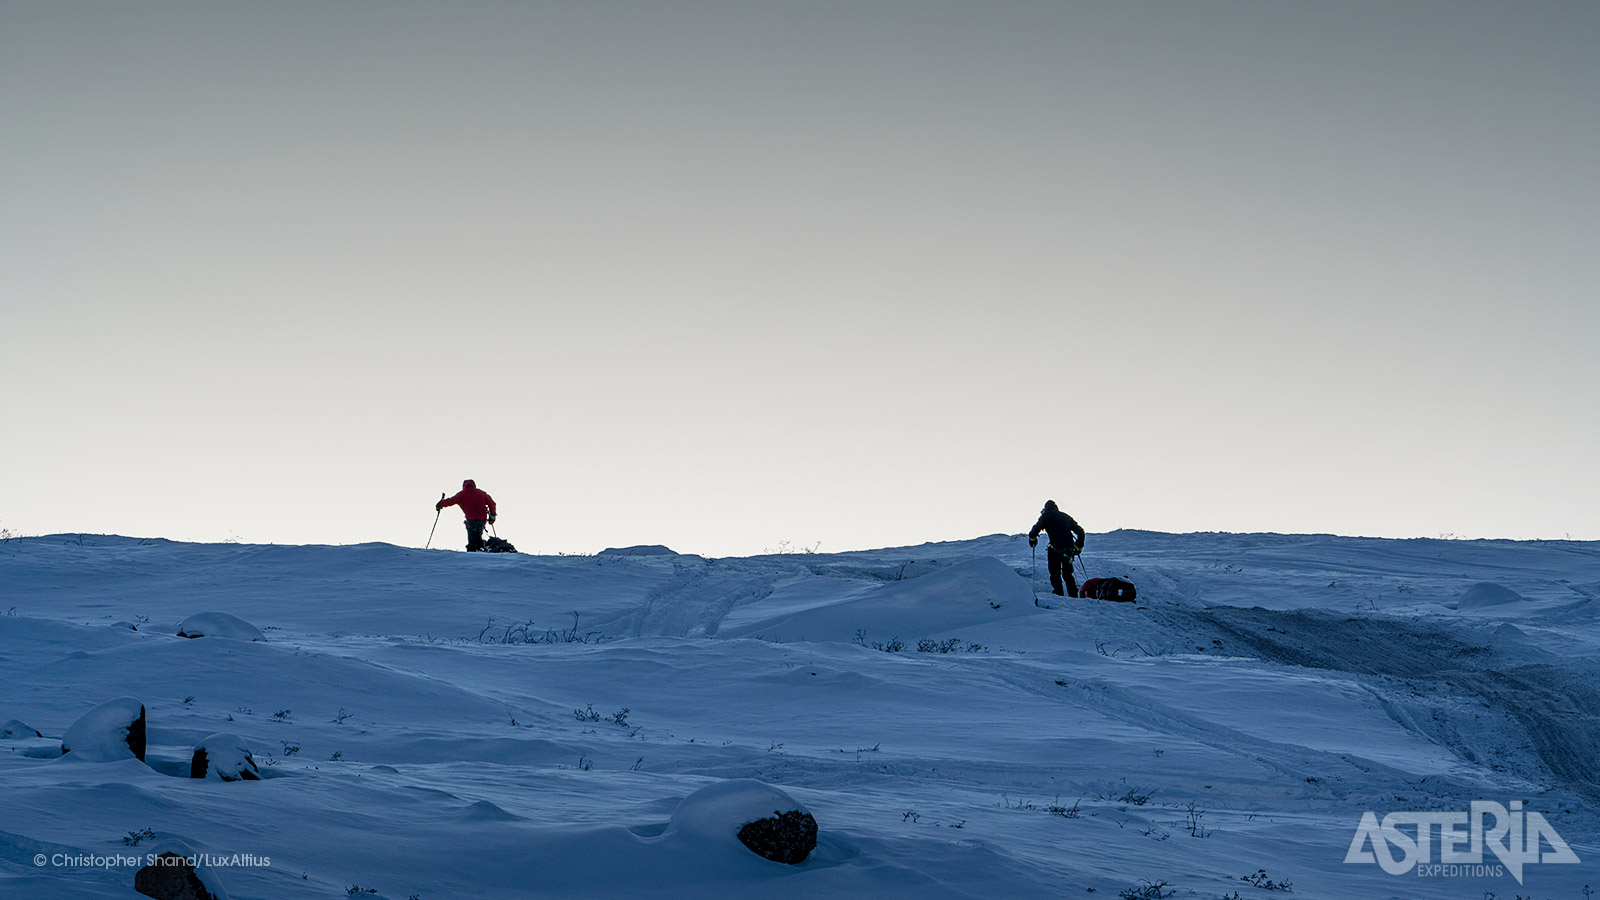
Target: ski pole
column 436, row 511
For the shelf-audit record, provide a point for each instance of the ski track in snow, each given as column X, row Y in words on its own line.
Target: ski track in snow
column 525, row 726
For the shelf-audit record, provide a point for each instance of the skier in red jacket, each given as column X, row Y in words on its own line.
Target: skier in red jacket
column 477, row 506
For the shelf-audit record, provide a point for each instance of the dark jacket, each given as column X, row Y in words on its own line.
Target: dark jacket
column 1064, row 531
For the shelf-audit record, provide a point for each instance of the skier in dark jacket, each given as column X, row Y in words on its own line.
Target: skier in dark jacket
column 477, row 506
column 1066, row 539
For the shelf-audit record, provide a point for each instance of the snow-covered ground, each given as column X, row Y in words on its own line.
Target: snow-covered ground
column 439, row 725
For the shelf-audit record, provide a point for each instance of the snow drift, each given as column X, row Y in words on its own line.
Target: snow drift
column 621, row 719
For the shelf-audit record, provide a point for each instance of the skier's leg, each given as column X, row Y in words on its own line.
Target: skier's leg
column 1053, row 559
column 1072, row 580
column 474, row 536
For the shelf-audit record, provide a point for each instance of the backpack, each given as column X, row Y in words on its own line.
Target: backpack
column 497, row 545
column 1108, row 589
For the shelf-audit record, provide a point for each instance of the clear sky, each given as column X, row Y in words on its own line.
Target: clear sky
column 725, row 275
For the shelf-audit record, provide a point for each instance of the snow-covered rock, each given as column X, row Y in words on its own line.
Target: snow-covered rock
column 177, row 872
column 1487, row 595
column 787, row 837
column 111, row 731
column 224, row 757
column 17, row 729
column 24, row 740
column 763, row 818
column 219, row 624
column 639, row 550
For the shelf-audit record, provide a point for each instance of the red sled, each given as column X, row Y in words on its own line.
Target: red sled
column 1114, row 589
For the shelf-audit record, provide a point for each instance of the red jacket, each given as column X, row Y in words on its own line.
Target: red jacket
column 476, row 505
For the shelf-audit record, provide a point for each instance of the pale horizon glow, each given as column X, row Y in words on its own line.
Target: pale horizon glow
column 856, row 275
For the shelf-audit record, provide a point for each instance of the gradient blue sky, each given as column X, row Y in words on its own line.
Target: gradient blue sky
column 721, row 275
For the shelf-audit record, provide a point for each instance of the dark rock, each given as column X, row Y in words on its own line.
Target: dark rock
column 136, row 736
column 171, row 877
column 786, row 837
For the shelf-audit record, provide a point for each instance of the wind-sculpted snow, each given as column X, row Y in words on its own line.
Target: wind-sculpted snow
column 1536, row 717
column 966, row 595
column 441, row 724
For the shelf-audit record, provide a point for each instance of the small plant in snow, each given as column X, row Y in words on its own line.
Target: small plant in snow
column 911, row 816
column 339, row 719
column 525, row 633
column 1054, row 809
column 1261, row 880
column 584, row 763
column 1148, row 891
column 785, row 548
column 1196, row 828
column 290, row 749
column 620, row 717
column 1135, row 796
column 134, row 838
column 950, row 645
column 355, row 889
column 189, row 700
column 895, row 645
column 281, row 715
column 337, row 755
column 1065, row 812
